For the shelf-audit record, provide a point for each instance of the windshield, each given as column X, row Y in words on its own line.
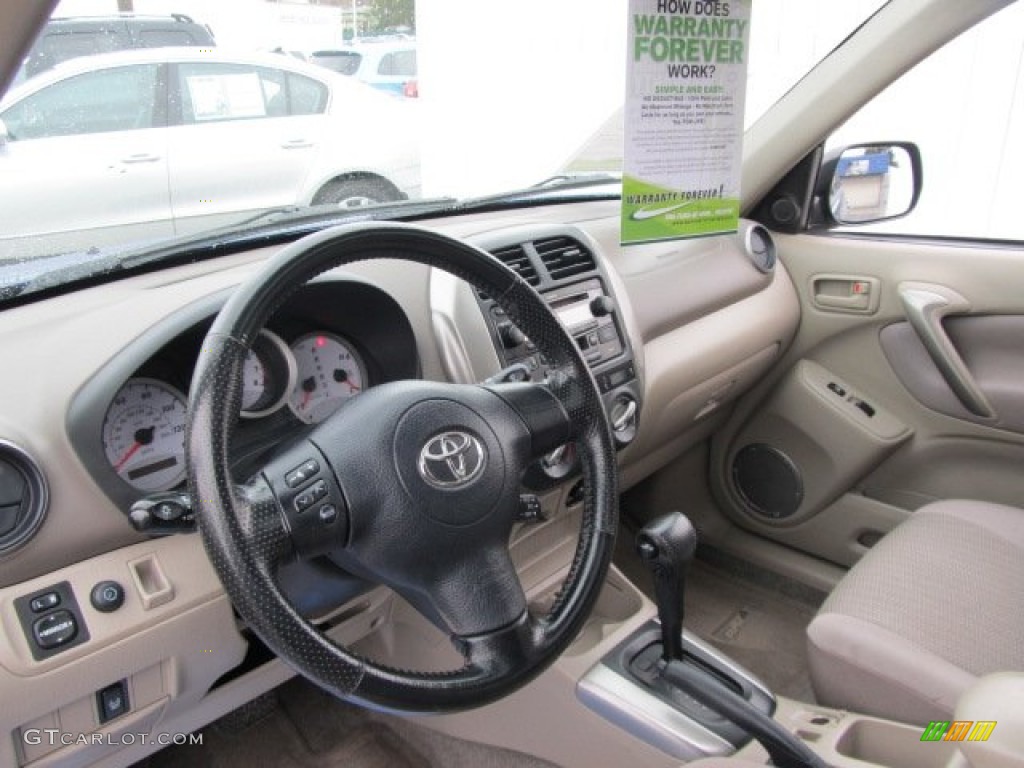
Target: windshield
column 126, row 132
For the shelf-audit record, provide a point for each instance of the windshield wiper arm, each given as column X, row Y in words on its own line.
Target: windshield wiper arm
column 276, row 223
column 564, row 187
column 572, row 179
column 265, row 228
column 267, row 215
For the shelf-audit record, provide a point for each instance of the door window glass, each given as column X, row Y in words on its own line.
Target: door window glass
column 119, row 99
column 964, row 107
column 398, row 64
column 307, row 96
column 160, row 38
column 218, row 92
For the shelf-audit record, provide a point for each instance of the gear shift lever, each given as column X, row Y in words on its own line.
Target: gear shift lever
column 667, row 545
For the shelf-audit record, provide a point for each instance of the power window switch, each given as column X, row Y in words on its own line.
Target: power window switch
column 868, row 410
column 112, row 701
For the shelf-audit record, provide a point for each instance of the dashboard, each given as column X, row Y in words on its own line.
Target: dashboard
column 673, row 333
column 330, row 341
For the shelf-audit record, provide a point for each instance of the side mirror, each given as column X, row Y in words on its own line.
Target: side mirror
column 871, row 182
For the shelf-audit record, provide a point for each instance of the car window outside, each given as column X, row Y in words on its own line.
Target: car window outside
column 343, row 62
column 305, row 96
column 398, row 64
column 119, row 99
column 964, row 108
column 56, row 47
column 219, row 92
column 158, row 38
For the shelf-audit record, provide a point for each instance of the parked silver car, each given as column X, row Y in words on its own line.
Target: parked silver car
column 176, row 140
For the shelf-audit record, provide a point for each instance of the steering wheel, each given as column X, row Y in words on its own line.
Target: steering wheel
column 412, row 484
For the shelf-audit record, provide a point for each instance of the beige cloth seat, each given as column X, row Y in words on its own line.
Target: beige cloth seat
column 937, row 603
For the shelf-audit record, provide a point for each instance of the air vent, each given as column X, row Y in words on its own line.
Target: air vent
column 760, row 248
column 23, row 497
column 564, row 257
column 515, row 258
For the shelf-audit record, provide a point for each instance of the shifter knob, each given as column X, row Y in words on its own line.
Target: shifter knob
column 667, row 545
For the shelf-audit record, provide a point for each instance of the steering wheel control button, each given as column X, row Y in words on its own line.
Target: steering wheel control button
column 319, row 490
column 530, row 510
column 304, row 501
column 54, row 630
column 298, row 476
column 315, row 514
column 328, row 514
column 452, row 460
column 107, row 596
column 112, row 701
column 44, row 602
column 310, row 496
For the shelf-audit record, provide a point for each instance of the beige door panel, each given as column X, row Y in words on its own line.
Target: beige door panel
column 946, row 468
column 905, row 384
column 986, row 383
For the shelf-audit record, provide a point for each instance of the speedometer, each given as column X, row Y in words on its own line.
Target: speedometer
column 144, row 434
column 329, row 373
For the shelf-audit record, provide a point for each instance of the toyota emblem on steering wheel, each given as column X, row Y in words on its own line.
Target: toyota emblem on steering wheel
column 452, row 460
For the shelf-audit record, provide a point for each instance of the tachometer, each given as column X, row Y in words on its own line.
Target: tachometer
column 268, row 376
column 144, row 434
column 329, row 373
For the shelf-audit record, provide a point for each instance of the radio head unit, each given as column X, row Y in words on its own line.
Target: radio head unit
column 586, row 308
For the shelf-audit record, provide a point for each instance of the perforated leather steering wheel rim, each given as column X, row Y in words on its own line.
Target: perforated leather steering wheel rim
column 242, row 525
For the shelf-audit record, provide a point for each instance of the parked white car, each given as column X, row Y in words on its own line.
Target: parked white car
column 177, row 140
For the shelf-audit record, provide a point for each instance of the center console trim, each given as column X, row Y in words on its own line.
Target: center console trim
column 624, row 703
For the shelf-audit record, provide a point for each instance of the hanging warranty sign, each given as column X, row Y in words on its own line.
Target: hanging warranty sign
column 686, row 85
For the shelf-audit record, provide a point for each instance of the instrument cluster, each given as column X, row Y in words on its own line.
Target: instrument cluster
column 305, row 365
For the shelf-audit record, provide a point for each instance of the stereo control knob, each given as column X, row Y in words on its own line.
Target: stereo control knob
column 602, row 305
column 623, row 418
column 510, row 336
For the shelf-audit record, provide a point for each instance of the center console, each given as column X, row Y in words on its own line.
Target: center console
column 626, row 689
column 674, row 692
column 562, row 266
column 652, row 684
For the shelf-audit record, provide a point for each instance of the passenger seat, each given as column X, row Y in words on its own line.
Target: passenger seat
column 937, row 603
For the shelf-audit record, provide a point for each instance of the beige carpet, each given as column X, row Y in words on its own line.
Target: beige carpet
column 299, row 726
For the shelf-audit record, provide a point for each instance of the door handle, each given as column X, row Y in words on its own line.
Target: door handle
column 296, row 144
column 854, row 294
column 141, row 157
column 925, row 306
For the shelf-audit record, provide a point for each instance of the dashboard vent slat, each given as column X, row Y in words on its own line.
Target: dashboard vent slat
column 23, row 497
column 564, row 257
column 515, row 258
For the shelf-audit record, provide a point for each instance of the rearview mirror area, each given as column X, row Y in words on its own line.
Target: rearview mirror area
column 872, row 182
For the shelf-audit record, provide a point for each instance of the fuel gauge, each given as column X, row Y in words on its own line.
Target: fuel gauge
column 329, row 373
